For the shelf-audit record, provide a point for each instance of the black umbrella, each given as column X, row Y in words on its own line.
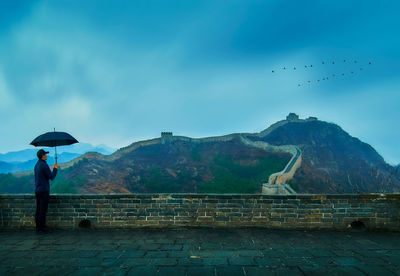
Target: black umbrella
column 54, row 139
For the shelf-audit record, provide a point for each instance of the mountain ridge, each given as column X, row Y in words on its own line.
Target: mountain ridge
column 333, row 160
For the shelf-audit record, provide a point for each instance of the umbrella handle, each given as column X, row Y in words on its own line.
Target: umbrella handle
column 55, row 147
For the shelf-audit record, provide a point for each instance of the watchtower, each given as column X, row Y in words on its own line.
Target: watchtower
column 166, row 136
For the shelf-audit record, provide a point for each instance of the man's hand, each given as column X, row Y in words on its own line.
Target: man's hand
column 56, row 166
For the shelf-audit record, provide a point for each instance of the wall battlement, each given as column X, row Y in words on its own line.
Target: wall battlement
column 300, row 211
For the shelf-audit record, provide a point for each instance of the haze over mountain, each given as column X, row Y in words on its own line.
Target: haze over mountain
column 332, row 162
column 24, row 160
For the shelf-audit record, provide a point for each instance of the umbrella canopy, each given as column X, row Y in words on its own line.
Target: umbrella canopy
column 54, row 139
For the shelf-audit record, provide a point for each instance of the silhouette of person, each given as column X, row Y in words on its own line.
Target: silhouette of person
column 42, row 189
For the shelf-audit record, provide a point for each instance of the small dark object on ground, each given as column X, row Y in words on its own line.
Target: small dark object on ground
column 358, row 225
column 85, row 223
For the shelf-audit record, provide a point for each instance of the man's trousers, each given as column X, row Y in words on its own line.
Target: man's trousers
column 42, row 202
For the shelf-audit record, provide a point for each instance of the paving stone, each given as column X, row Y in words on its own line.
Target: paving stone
column 200, row 270
column 215, row 261
column 230, row 251
column 178, row 254
column 377, row 270
column 171, row 247
column 86, row 253
column 258, row 271
column 323, row 261
column 84, row 262
column 346, row 261
column 3, row 270
column 287, row 271
column 272, row 262
column 230, row 270
column 310, row 270
column 322, row 253
column 345, row 271
column 242, row 261
column 294, row 261
column 142, row 271
column 392, row 259
column 107, row 262
column 202, row 253
column 109, row 254
column 343, row 253
column 373, row 261
column 273, row 253
column 84, row 271
column 225, row 253
column 115, row 270
column 175, row 271
column 249, row 253
column 133, row 254
column 150, row 246
column 25, row 270
column 190, row 261
column 136, row 262
column 164, row 261
column 156, row 254
column 210, row 246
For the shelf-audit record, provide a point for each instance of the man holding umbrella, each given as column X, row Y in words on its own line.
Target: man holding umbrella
column 42, row 189
column 43, row 173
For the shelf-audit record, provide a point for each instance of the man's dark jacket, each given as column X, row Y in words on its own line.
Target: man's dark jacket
column 42, row 176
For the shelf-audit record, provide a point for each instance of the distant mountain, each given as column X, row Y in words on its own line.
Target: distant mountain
column 332, row 161
column 6, row 167
column 29, row 154
column 24, row 160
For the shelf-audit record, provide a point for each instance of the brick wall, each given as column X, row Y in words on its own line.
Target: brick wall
column 376, row 211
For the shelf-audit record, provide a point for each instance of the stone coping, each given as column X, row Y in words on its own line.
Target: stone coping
column 196, row 195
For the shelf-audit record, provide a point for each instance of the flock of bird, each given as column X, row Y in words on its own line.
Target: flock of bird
column 327, row 77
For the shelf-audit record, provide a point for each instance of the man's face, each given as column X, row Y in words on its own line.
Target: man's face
column 44, row 157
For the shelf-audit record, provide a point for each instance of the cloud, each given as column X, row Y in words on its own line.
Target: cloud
column 6, row 98
column 118, row 72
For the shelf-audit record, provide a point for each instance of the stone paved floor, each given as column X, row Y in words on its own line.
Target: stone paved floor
column 199, row 252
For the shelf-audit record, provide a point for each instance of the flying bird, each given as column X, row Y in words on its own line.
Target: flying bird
column 333, row 62
column 352, row 72
column 284, row 68
column 273, row 71
column 298, row 84
column 305, row 66
column 309, row 81
column 369, row 63
column 323, row 62
column 294, row 68
column 342, row 74
column 311, row 65
column 344, row 60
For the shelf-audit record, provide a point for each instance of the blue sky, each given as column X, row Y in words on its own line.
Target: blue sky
column 115, row 72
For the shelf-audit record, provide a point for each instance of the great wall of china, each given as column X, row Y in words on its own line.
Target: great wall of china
column 277, row 183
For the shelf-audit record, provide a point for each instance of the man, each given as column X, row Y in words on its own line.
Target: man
column 42, row 189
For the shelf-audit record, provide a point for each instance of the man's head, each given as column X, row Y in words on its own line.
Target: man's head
column 41, row 154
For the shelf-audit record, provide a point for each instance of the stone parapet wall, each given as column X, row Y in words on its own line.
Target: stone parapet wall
column 301, row 211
